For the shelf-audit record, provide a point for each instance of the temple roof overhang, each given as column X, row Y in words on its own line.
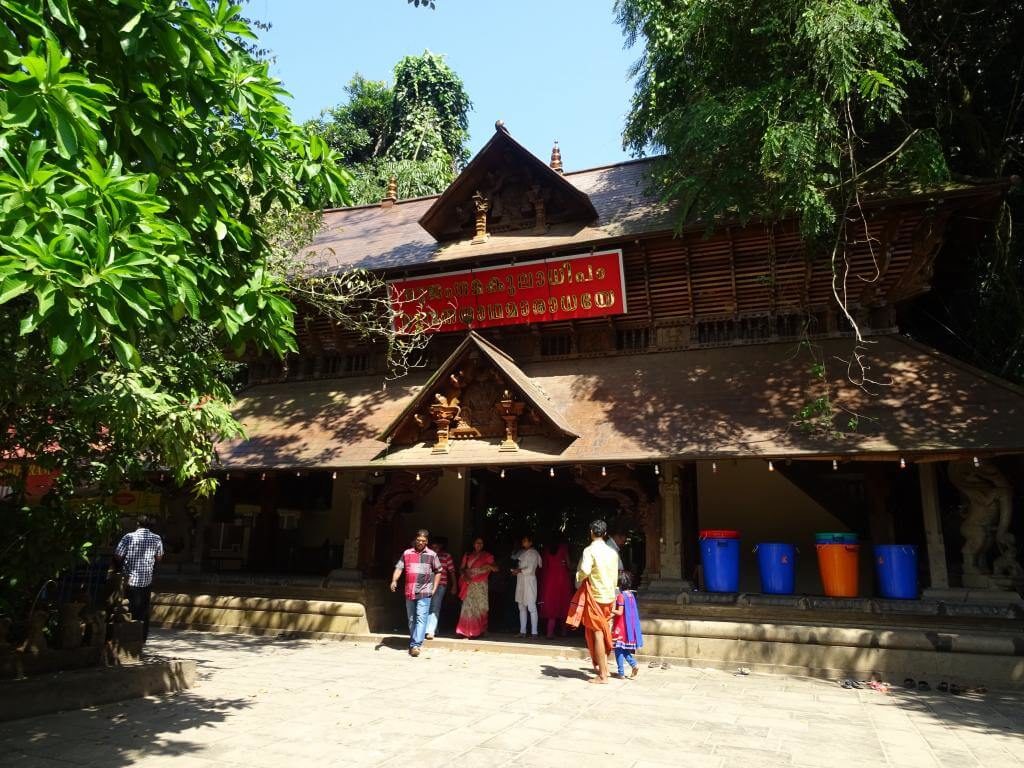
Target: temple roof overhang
column 730, row 402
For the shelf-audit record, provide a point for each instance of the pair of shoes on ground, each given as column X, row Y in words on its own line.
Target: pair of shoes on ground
column 523, row 636
column 623, row 676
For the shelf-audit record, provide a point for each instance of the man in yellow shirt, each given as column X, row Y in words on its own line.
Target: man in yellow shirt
column 598, row 575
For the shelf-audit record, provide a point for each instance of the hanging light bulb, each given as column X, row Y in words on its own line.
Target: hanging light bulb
column 657, row 469
column 551, row 472
column 459, row 473
column 771, row 467
column 161, row 477
column 977, row 461
column 227, row 476
column 604, row 472
column 263, row 475
column 298, row 473
column 903, row 463
column 835, row 465
column 714, row 467
column 334, row 475
column 417, row 477
column 503, row 474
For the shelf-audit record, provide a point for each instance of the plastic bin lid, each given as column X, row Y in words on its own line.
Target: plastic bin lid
column 719, row 534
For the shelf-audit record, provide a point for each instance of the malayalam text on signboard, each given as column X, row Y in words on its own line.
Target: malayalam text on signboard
column 544, row 291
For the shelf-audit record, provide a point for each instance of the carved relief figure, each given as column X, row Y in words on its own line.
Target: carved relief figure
column 987, row 512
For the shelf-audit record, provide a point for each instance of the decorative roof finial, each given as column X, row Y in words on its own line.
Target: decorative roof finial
column 556, row 158
column 392, row 195
column 499, row 125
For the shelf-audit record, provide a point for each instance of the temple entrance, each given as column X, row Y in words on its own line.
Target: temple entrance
column 507, row 504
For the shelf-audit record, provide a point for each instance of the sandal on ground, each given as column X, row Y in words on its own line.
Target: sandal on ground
column 922, row 685
column 664, row 665
column 653, row 665
column 848, row 683
column 910, row 683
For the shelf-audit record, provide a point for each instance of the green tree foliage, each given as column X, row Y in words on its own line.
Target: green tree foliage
column 141, row 146
column 972, row 92
column 415, row 130
column 763, row 108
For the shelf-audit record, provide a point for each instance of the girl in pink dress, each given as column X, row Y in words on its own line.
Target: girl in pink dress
column 556, row 586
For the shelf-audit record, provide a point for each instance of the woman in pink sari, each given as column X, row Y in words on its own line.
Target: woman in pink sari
column 556, row 586
column 477, row 566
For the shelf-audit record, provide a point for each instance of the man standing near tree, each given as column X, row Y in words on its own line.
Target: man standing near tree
column 136, row 555
column 422, row 574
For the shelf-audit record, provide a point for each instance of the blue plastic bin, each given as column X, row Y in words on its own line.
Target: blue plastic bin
column 896, row 569
column 777, row 564
column 720, row 557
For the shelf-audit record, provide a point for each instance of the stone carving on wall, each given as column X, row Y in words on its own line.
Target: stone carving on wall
column 35, row 635
column 72, row 628
column 989, row 548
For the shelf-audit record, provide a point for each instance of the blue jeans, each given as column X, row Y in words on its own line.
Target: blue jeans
column 621, row 655
column 417, row 611
column 435, row 608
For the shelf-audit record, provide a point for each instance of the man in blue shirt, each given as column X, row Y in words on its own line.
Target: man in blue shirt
column 137, row 553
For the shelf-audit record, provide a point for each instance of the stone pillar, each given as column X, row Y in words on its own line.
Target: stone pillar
column 669, row 582
column 935, row 542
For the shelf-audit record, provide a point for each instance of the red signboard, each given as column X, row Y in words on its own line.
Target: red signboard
column 544, row 291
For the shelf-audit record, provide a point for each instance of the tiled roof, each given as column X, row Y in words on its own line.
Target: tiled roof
column 705, row 403
column 373, row 237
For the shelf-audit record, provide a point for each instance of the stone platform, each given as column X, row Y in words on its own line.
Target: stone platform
column 75, row 689
column 812, row 637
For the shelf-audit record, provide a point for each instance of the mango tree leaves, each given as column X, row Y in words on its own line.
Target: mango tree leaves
column 135, row 137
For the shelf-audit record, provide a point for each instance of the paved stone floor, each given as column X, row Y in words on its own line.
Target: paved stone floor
column 268, row 703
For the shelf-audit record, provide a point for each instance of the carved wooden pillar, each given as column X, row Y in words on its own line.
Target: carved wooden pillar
column 481, row 206
column 356, row 499
column 668, row 580
column 671, row 529
column 510, row 411
column 935, row 542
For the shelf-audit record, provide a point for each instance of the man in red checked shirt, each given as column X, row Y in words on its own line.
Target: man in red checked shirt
column 449, row 583
column 422, row 574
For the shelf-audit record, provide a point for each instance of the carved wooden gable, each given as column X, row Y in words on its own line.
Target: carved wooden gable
column 503, row 189
column 478, row 393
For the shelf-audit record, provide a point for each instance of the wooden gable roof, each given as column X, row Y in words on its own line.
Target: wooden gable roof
column 510, row 374
column 506, row 173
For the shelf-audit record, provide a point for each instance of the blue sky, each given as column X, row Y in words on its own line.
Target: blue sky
column 550, row 70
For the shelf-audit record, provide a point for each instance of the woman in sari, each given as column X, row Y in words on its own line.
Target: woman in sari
column 556, row 586
column 477, row 566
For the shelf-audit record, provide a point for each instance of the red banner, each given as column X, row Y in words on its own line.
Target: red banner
column 544, row 291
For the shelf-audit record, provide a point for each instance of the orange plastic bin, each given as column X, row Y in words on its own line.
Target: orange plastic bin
column 839, row 567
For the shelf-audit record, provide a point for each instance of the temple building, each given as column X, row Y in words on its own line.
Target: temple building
column 592, row 357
